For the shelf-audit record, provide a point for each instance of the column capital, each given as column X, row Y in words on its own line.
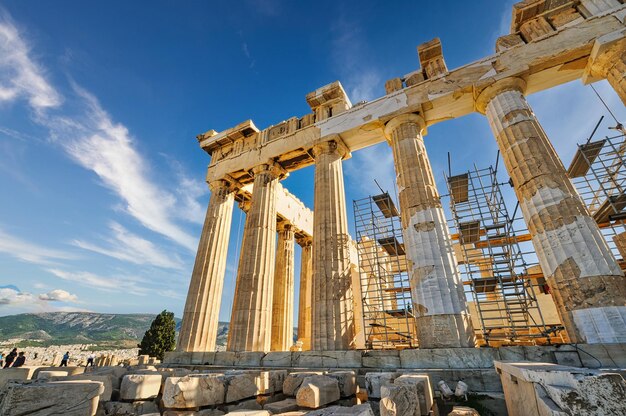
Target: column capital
column 222, row 185
column 272, row 168
column 484, row 97
column 335, row 145
column 304, row 241
column 285, row 226
column 245, row 205
column 605, row 53
column 403, row 119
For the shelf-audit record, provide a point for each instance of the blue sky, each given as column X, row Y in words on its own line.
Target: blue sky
column 100, row 174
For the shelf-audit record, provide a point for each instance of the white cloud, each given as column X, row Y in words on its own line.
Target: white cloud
column 58, row 295
column 130, row 247
column 10, row 296
column 380, row 167
column 125, row 284
column 29, row 252
column 19, row 75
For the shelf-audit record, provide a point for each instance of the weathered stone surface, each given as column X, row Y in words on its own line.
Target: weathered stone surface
column 48, row 374
column 131, row 409
column 195, row 390
column 423, row 390
column 449, row 358
column 140, row 386
column 277, row 359
column 463, row 411
column 115, row 372
column 317, row 391
column 399, row 400
column 205, row 412
column 381, row 359
column 282, row 406
column 250, row 404
column 327, row 359
column 249, row 413
column 358, row 410
column 374, row 381
column 104, row 379
column 70, row 370
column 276, row 378
column 244, row 385
column 549, row 389
column 294, row 380
column 346, row 380
column 67, row 398
column 15, row 374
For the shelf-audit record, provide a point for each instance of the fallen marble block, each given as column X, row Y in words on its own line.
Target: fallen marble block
column 424, row 391
column 282, row 406
column 48, row 374
column 358, row 410
column 399, row 401
column 15, row 374
column 346, row 380
column 463, row 411
column 143, row 408
column 140, row 386
column 294, row 380
column 317, row 391
column 243, row 385
column 194, row 391
column 67, row 398
column 374, row 381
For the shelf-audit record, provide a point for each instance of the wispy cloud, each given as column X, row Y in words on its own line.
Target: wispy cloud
column 91, row 137
column 58, row 295
column 20, row 77
column 28, row 252
column 361, row 80
column 125, row 284
column 126, row 246
column 380, row 167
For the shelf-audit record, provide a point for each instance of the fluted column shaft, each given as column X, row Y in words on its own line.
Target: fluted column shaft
column 201, row 314
column 304, row 303
column 586, row 282
column 282, row 304
column 251, row 321
column 441, row 313
column 332, row 308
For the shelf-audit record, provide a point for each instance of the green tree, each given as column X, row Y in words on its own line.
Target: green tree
column 161, row 337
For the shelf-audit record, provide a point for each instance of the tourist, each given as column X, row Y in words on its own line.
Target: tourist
column 1, row 360
column 65, row 359
column 90, row 359
column 20, row 360
column 10, row 358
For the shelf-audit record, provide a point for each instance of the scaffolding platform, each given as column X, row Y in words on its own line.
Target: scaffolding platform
column 386, row 295
column 493, row 266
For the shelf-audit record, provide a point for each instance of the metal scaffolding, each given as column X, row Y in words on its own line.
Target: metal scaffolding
column 386, row 295
column 598, row 172
column 499, row 277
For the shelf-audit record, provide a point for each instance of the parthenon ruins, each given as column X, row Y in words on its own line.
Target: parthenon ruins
column 551, row 42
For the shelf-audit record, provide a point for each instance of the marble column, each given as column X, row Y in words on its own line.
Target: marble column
column 304, row 303
column 586, row 282
column 200, row 316
column 282, row 304
column 332, row 308
column 440, row 310
column 250, row 324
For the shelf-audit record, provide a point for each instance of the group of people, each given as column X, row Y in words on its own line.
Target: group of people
column 12, row 359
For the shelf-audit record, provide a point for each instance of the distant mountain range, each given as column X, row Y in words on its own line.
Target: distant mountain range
column 103, row 329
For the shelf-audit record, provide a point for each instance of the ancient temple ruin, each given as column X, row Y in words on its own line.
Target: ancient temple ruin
column 551, row 42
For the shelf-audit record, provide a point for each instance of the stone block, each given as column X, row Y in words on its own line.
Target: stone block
column 346, row 380
column 381, row 359
column 547, row 389
column 449, row 358
column 205, row 412
column 48, row 374
column 423, row 389
column 399, row 400
column 327, row 359
column 202, row 358
column 463, row 411
column 250, row 404
column 374, row 381
column 143, row 359
column 15, row 374
column 116, row 374
column 194, row 391
column 249, row 413
column 276, row 378
column 317, row 391
column 243, row 385
column 143, row 408
column 140, row 386
column 540, row 354
column 277, row 359
column 248, row 359
column 358, row 410
column 106, row 381
column 67, row 398
column 282, row 406
column 177, row 357
column 294, row 380
column 70, row 370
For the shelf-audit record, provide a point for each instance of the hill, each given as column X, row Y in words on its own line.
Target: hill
column 58, row 328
